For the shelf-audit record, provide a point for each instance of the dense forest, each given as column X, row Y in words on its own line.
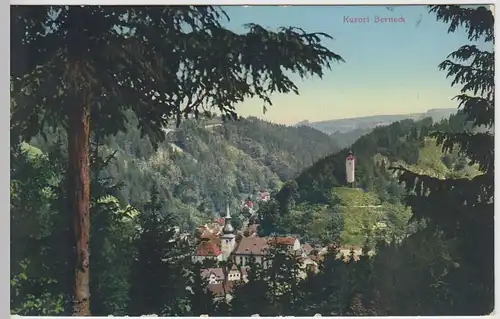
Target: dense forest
column 105, row 167
column 202, row 165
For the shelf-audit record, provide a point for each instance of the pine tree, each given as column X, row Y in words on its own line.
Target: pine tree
column 201, row 301
column 157, row 281
column 362, row 293
column 463, row 208
column 82, row 66
column 112, row 230
column 331, row 285
column 38, row 236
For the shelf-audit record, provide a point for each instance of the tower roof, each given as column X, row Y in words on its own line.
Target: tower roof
column 349, row 156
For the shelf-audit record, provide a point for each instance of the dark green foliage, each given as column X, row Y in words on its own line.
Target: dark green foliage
column 38, row 233
column 112, row 231
column 335, row 225
column 252, row 295
column 281, row 148
column 156, row 277
column 287, row 196
column 237, row 221
column 345, row 140
column 200, row 299
column 462, row 209
column 44, row 261
column 269, row 217
column 362, row 295
column 272, row 290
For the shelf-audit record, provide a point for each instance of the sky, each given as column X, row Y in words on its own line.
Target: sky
column 390, row 68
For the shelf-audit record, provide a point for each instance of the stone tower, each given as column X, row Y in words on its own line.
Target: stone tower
column 349, row 169
column 228, row 239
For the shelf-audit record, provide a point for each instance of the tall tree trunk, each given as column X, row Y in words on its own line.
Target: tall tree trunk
column 79, row 203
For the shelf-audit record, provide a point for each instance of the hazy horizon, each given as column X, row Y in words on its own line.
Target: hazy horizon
column 364, row 116
column 390, row 68
column 263, row 117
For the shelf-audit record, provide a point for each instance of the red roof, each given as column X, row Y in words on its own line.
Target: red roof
column 289, row 241
column 208, row 248
column 350, row 157
column 220, row 221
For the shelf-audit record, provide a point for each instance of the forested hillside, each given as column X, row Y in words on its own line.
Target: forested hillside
column 405, row 142
column 318, row 207
column 203, row 164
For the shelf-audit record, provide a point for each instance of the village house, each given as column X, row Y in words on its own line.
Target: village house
column 240, row 250
column 248, row 247
column 220, row 286
column 213, row 275
column 208, row 249
column 223, row 244
column 216, row 275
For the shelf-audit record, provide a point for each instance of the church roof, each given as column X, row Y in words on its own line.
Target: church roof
column 228, row 228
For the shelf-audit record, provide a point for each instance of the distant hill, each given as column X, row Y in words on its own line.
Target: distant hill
column 403, row 142
column 346, row 131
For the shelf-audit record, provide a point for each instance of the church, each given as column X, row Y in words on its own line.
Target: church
column 227, row 245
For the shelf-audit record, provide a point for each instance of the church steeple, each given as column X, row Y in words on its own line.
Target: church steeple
column 228, row 228
column 228, row 238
